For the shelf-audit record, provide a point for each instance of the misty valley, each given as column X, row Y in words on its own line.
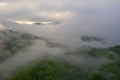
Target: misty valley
column 59, row 39
column 85, row 63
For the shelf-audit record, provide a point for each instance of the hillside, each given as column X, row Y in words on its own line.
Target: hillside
column 12, row 42
column 97, row 64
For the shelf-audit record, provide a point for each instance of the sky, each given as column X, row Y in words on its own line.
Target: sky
column 76, row 17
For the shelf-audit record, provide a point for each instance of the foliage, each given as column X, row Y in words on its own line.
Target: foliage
column 115, row 49
column 14, row 42
column 50, row 70
column 91, row 38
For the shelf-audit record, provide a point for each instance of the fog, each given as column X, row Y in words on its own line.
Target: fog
column 95, row 17
column 71, row 19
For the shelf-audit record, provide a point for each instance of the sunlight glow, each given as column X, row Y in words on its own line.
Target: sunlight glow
column 2, row 27
column 28, row 22
column 23, row 22
column 3, row 4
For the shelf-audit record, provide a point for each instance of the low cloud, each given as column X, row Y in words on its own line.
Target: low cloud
column 56, row 15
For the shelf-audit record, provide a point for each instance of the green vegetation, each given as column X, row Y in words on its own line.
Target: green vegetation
column 55, row 69
column 91, row 38
column 97, row 52
column 109, row 71
column 13, row 42
column 115, row 49
column 50, row 70
column 109, row 53
column 62, row 69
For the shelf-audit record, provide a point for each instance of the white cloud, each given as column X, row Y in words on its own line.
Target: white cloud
column 3, row 4
column 56, row 15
